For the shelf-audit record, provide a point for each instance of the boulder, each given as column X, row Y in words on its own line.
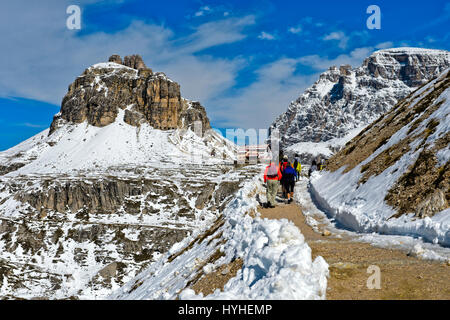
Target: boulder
column 115, row 58
column 134, row 61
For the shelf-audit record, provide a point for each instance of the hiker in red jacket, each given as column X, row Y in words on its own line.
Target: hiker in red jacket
column 272, row 176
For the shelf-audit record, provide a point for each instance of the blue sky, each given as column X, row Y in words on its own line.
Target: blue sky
column 245, row 61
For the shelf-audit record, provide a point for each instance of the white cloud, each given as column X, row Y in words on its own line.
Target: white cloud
column 40, row 57
column 203, row 11
column 385, row 45
column 339, row 36
column 217, row 10
column 266, row 36
column 214, row 33
column 31, row 125
column 257, row 105
column 295, row 30
column 354, row 58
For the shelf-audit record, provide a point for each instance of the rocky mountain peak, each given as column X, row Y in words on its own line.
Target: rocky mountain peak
column 134, row 61
column 345, row 99
column 104, row 89
column 412, row 66
column 394, row 177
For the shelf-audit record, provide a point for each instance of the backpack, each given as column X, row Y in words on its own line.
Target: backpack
column 289, row 174
column 273, row 171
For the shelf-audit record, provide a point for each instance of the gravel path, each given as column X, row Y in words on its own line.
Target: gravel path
column 402, row 276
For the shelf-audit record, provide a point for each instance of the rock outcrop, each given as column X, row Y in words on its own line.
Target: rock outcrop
column 135, row 61
column 103, row 89
column 115, row 58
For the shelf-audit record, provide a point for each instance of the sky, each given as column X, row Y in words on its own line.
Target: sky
column 245, row 61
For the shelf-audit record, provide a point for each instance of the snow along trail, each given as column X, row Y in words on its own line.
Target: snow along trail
column 315, row 216
column 277, row 262
column 402, row 276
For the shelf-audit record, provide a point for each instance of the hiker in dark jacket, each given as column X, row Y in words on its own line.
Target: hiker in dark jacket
column 313, row 167
column 283, row 164
column 289, row 177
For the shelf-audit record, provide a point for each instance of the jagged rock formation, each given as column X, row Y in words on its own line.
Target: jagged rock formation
column 133, row 196
column 347, row 98
column 115, row 58
column 135, row 62
column 104, row 89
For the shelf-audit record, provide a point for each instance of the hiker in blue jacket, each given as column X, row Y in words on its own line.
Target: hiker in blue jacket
column 289, row 177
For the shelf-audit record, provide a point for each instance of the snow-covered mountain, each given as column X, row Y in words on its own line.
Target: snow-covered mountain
column 344, row 100
column 394, row 176
column 115, row 115
column 127, row 169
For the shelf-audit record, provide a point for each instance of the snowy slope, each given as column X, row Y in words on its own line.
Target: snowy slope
column 158, row 180
column 277, row 261
column 381, row 183
column 325, row 149
column 76, row 147
column 344, row 100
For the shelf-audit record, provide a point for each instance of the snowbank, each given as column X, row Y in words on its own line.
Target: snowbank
column 277, row 261
column 364, row 210
column 414, row 246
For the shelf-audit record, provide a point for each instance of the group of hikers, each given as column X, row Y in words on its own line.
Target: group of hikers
column 286, row 174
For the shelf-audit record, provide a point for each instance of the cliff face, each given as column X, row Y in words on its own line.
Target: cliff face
column 81, row 237
column 347, row 98
column 103, row 89
column 413, row 67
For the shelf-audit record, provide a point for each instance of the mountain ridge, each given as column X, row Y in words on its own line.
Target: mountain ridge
column 346, row 98
column 393, row 177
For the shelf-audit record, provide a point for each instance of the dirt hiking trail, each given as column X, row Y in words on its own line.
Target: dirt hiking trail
column 402, row 276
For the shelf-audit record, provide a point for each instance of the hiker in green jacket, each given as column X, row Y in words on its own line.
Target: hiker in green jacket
column 297, row 166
